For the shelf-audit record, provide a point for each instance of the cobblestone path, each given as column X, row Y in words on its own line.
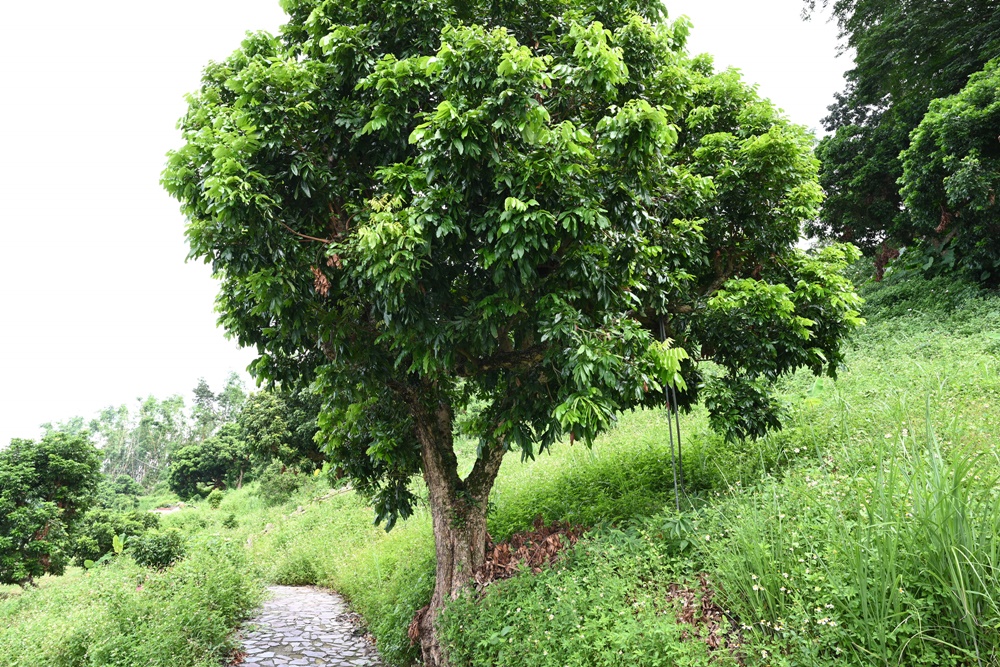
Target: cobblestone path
column 301, row 625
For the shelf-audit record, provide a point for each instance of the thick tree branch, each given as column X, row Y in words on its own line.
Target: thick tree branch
column 480, row 481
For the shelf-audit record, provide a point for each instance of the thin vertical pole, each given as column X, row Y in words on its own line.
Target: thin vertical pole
column 670, row 428
column 677, row 421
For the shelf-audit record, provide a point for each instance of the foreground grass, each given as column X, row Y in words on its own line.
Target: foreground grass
column 125, row 615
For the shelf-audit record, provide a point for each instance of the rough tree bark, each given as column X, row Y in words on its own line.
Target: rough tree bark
column 458, row 511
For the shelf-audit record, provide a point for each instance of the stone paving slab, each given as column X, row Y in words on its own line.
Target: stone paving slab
column 301, row 625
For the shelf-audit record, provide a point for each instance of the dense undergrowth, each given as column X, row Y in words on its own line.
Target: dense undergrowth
column 865, row 533
column 125, row 615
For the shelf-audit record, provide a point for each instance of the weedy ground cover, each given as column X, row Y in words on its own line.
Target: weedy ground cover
column 125, row 615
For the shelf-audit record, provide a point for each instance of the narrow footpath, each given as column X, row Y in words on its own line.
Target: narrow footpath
column 300, row 625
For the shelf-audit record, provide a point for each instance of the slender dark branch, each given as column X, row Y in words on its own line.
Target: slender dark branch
column 305, row 236
column 512, row 360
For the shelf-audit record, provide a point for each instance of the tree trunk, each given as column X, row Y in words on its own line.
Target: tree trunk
column 458, row 510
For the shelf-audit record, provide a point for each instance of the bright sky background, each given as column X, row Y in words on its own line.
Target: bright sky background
column 99, row 307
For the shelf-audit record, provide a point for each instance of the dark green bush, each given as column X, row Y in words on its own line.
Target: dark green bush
column 158, row 549
column 93, row 537
column 230, row 522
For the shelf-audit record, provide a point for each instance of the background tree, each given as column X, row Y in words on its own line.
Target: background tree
column 951, row 175
column 211, row 411
column 72, row 426
column 138, row 442
column 44, row 488
column 120, row 494
column 230, row 400
column 906, row 54
column 216, row 463
column 282, row 425
column 415, row 204
column 204, row 413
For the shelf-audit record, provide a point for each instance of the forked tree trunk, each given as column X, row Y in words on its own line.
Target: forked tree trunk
column 458, row 509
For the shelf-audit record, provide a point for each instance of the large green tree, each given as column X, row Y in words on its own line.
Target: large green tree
column 546, row 207
column 906, row 53
column 218, row 462
column 45, row 486
column 951, row 175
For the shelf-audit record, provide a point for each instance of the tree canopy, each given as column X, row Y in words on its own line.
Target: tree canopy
column 218, row 462
column 44, row 488
column 282, row 425
column 548, row 208
column 951, row 174
column 906, row 55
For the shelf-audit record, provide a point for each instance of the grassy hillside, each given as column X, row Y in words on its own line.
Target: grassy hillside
column 867, row 532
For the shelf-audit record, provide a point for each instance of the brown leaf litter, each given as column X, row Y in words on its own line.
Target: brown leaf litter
column 527, row 550
column 695, row 607
column 530, row 549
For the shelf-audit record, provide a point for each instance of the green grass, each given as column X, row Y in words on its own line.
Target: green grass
column 123, row 615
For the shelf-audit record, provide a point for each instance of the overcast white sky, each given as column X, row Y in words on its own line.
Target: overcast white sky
column 98, row 304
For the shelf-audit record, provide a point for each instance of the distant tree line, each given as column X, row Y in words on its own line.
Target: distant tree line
column 67, row 496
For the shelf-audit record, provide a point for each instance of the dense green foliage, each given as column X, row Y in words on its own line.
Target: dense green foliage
column 280, row 425
column 549, row 232
column 93, row 536
column 158, row 549
column 45, row 486
column 906, row 55
column 217, row 462
column 951, row 175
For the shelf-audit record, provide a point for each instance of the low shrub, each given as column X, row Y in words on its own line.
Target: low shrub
column 158, row 549
column 215, row 499
column 298, row 569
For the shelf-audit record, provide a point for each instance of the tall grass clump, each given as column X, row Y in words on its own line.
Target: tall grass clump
column 894, row 564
